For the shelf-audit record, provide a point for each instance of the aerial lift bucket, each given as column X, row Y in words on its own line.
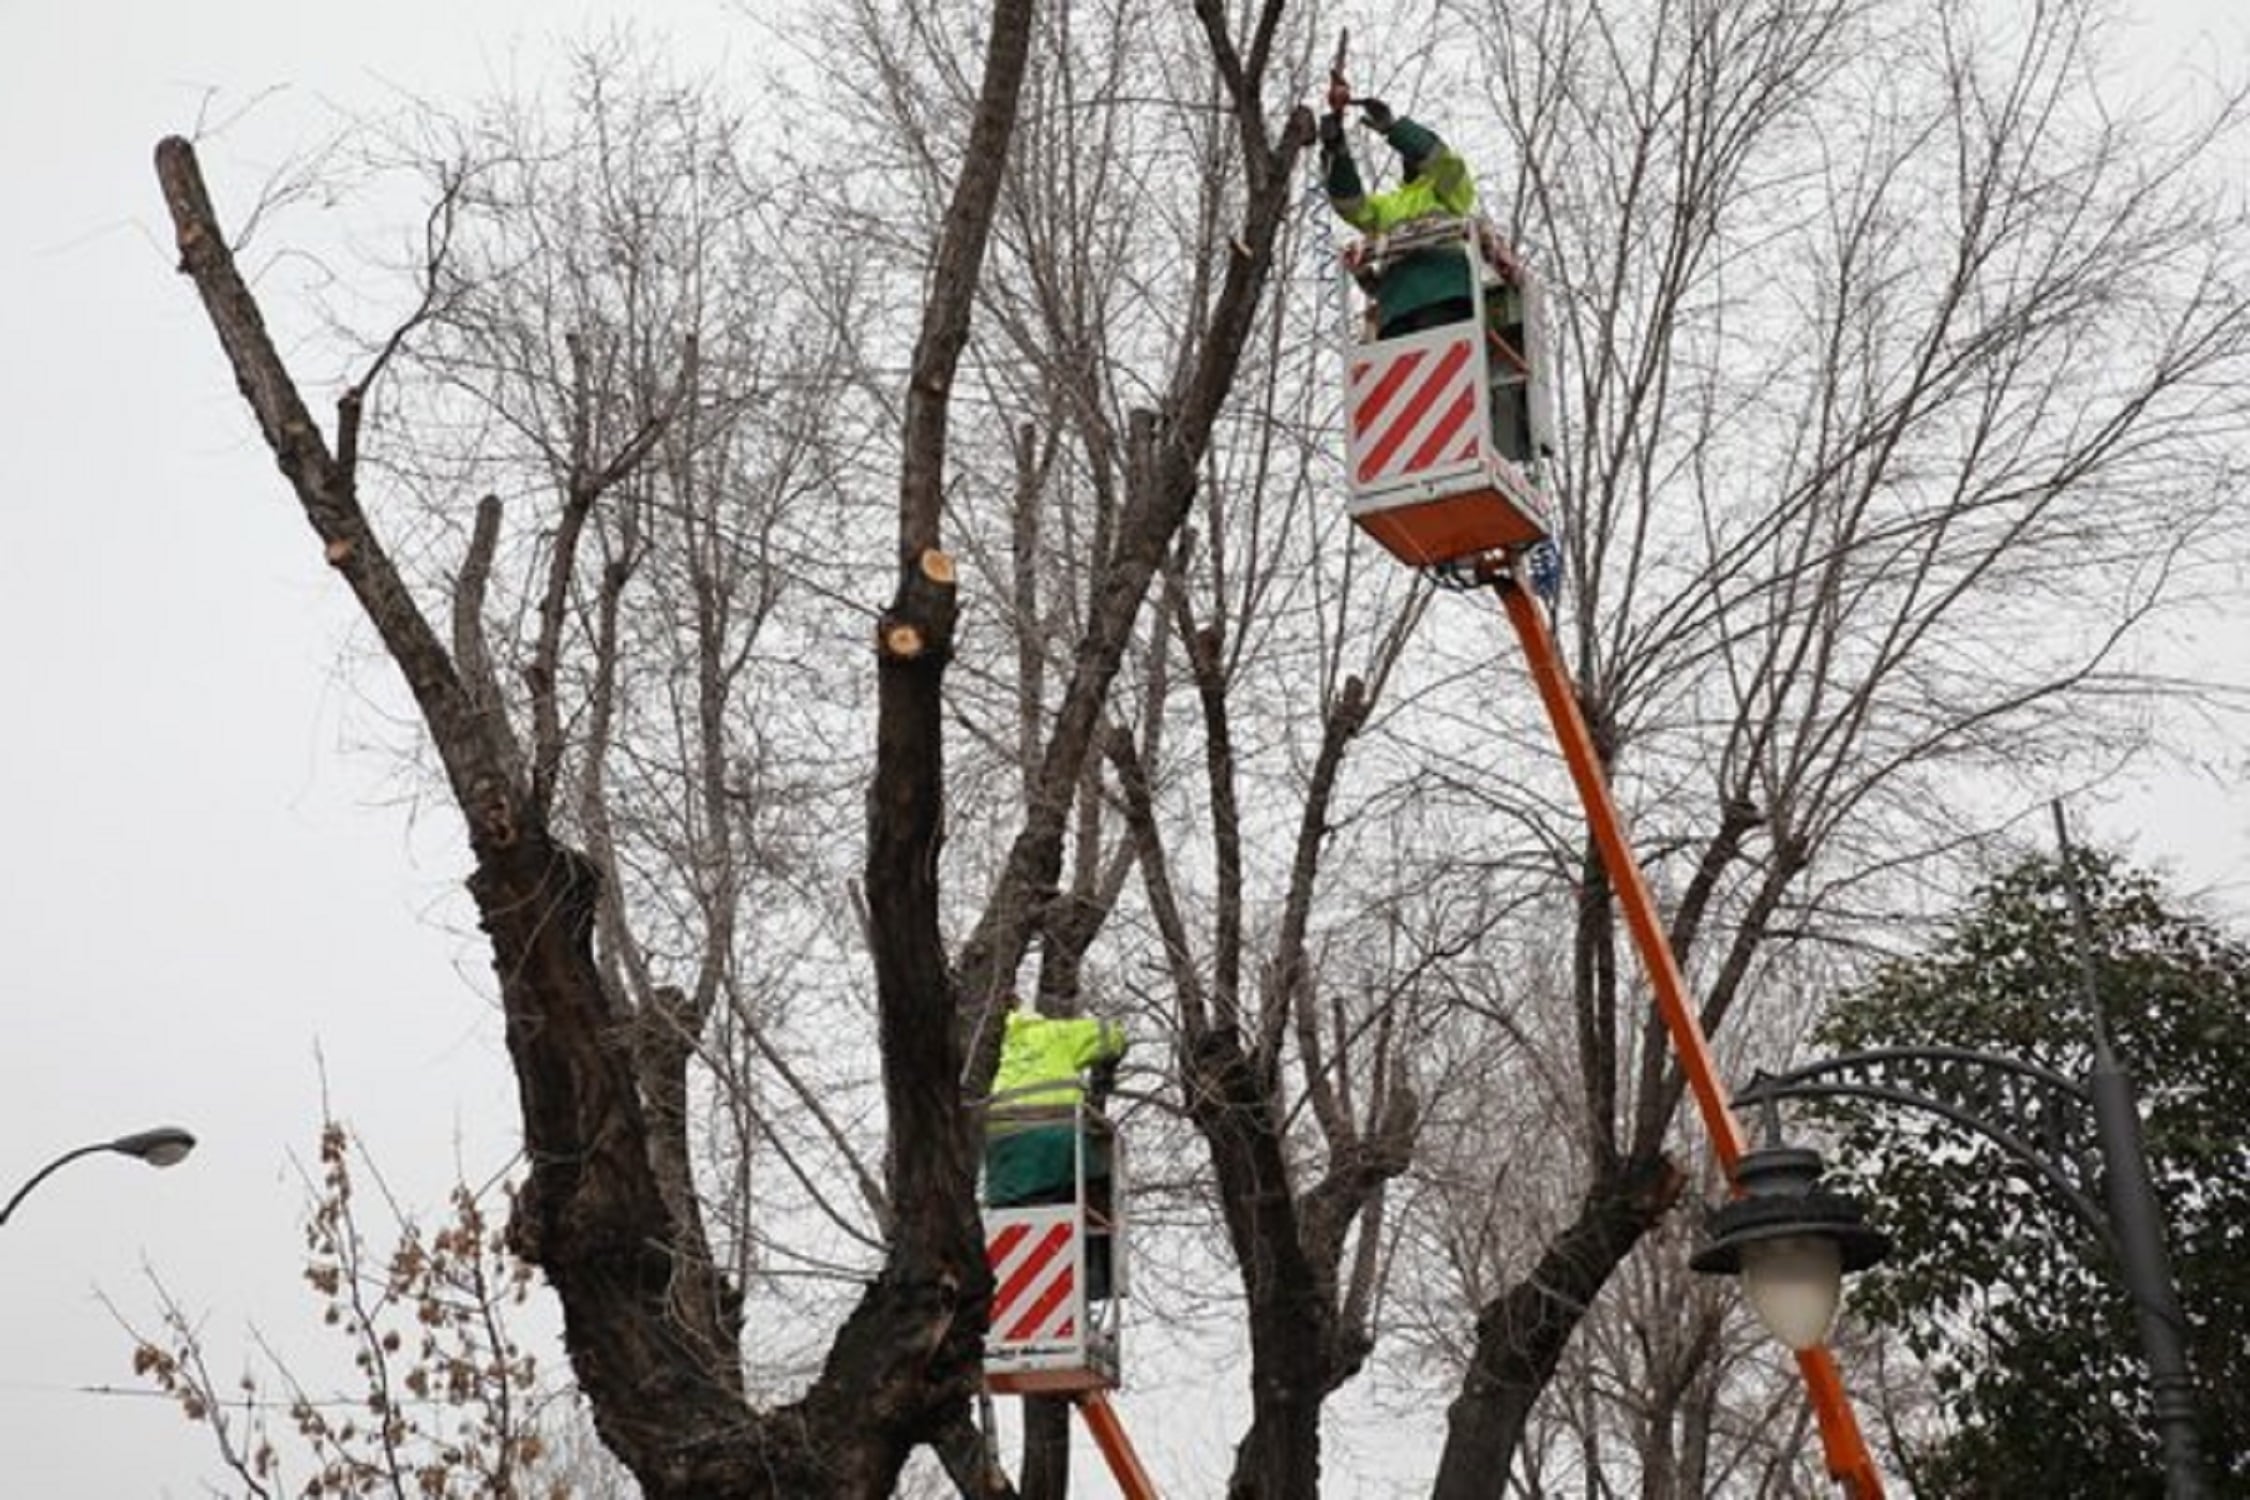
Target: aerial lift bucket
column 1059, row 1284
column 1450, row 430
column 1450, row 426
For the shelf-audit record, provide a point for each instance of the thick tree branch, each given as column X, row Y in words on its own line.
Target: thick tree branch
column 1153, row 514
column 470, row 649
column 474, row 765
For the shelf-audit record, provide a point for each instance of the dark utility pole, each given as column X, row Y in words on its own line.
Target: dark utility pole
column 2137, row 1221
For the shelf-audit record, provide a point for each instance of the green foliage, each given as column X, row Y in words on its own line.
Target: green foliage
column 2019, row 1314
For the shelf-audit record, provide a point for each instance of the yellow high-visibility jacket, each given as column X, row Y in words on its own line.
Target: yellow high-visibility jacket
column 1042, row 1056
column 1439, row 184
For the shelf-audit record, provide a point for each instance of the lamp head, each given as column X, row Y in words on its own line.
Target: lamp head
column 165, row 1146
column 1791, row 1240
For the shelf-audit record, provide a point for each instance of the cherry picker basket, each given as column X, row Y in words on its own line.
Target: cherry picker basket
column 1450, row 426
column 1058, row 1268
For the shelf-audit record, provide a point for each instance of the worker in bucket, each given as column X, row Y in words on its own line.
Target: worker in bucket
column 1031, row 1137
column 1422, row 288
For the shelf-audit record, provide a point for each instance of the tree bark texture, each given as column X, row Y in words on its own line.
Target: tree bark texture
column 1045, row 1472
column 1521, row 1335
column 1280, row 1455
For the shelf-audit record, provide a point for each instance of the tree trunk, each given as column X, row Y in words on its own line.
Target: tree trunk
column 1521, row 1334
column 643, row 1312
column 1046, row 1449
column 1279, row 1458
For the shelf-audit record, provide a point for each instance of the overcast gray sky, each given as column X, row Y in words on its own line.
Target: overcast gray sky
column 209, row 875
column 206, row 881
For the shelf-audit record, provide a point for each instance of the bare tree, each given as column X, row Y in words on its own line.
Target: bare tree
column 632, row 433
column 1856, row 528
column 1146, row 725
column 1227, row 755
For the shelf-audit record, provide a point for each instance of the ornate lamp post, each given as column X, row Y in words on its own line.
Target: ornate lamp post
column 164, row 1146
column 2080, row 1137
column 1791, row 1240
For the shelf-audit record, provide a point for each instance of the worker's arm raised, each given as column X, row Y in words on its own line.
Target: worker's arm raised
column 1096, row 1042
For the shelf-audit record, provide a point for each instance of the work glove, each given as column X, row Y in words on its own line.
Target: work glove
column 1101, row 1082
column 1378, row 116
column 1331, row 131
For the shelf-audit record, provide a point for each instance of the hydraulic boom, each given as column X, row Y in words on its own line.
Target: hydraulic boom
column 1847, row 1455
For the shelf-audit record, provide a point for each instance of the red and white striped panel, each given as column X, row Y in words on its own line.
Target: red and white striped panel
column 1034, row 1275
column 1413, row 409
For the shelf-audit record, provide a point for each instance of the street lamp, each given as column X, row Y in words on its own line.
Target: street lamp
column 2058, row 1128
column 1791, row 1240
column 164, row 1146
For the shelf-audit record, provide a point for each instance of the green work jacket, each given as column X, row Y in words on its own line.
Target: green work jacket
column 1442, row 186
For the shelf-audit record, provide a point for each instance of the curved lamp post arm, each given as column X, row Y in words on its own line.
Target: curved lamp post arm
column 161, row 1147
column 1876, row 1075
column 2130, row 1228
column 48, row 1171
column 1962, row 1059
